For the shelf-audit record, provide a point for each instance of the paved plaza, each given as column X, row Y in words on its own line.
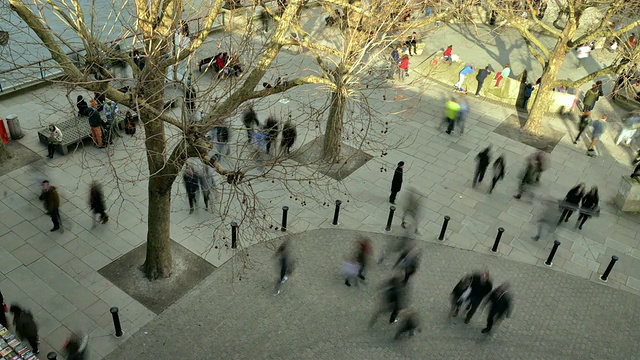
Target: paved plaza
column 562, row 312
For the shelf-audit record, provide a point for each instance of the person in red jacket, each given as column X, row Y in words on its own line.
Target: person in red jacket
column 404, row 66
column 447, row 54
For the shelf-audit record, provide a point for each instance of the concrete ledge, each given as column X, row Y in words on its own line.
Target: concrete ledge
column 628, row 197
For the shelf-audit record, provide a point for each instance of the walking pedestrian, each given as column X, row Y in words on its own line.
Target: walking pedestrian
column 483, row 159
column 460, row 294
column 76, row 347
column 589, row 206
column 446, row 55
column 250, row 121
column 548, row 220
column 96, row 203
column 467, row 70
column 191, row 186
column 51, row 201
column 481, row 77
column 363, row 255
column 3, row 312
column 222, row 140
column 396, row 182
column 528, row 91
column 25, row 326
column 207, row 183
column 528, row 177
column 582, row 125
column 629, row 128
column 408, row 262
column 599, row 127
column 285, row 263
column 540, row 161
column 571, row 201
column 55, row 139
column 411, row 209
column 451, row 111
column 392, row 299
column 590, row 97
column 462, row 115
column 410, row 324
column 498, row 172
column 502, row 74
column 395, row 245
column 354, row 266
column 289, row 134
column 481, row 286
column 272, row 129
column 583, row 54
column 499, row 301
column 264, row 20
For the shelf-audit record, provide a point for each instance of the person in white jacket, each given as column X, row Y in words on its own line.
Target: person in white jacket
column 55, row 138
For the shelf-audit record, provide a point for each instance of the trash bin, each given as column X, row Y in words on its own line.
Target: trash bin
column 14, row 127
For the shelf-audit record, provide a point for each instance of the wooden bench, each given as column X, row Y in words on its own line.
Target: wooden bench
column 74, row 131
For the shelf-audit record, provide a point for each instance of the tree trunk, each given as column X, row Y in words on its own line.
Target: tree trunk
column 543, row 98
column 333, row 132
column 158, row 263
column 4, row 152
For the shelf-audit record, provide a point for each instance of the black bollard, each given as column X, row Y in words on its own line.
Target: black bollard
column 497, row 242
column 549, row 261
column 392, row 209
column 52, row 356
column 285, row 209
column 234, row 234
column 116, row 321
column 336, row 213
column 444, row 227
column 609, row 267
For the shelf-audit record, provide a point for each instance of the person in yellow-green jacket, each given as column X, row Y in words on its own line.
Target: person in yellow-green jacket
column 451, row 110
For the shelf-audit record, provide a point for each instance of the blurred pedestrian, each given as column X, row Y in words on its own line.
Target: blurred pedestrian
column 408, row 262
column 502, row 74
column 582, row 125
column 191, row 186
column 363, row 254
column 583, row 54
column 250, row 121
column 498, row 172
column 589, row 206
column 539, row 159
column 467, row 70
column 96, row 203
column 410, row 324
column 528, row 177
column 392, row 300
column 221, row 134
column 396, row 182
column 25, row 326
column 629, row 128
column 350, row 271
column 272, row 129
column 460, row 295
column 395, row 245
column 3, row 312
column 264, row 20
column 285, row 264
column 55, row 139
column 51, row 200
column 411, row 209
column 636, row 162
column 481, row 77
column 599, row 127
column 207, row 183
column 289, row 134
column 451, row 110
column 500, row 303
column 483, row 160
column 571, row 201
column 76, row 347
column 481, row 286
column 548, row 220
column 462, row 115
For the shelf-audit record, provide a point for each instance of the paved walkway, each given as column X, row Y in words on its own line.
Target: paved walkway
column 556, row 316
column 56, row 276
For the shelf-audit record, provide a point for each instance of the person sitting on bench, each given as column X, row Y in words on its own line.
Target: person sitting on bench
column 83, row 107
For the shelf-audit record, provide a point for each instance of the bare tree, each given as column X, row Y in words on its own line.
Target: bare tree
column 579, row 22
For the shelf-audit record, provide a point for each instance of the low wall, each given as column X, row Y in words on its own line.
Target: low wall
column 628, row 197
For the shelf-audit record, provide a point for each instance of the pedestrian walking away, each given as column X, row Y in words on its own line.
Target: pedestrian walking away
column 548, row 220
column 55, row 139
column 25, row 326
column 285, row 264
column 629, row 128
column 409, row 324
column 500, row 306
column 599, row 127
column 462, row 115
column 3, row 312
column 582, row 125
column 467, row 70
column 498, row 172
column 527, row 177
column 502, row 74
column 451, row 110
column 51, row 200
column 408, row 262
column 483, row 160
column 481, row 77
column 96, row 203
column 191, row 186
column 411, row 209
column 481, row 286
column 571, row 201
column 396, row 182
column 589, row 206
column 459, row 295
column 392, row 300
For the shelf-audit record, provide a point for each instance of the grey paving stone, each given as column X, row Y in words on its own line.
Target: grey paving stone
column 26, row 254
column 11, row 218
column 622, row 248
column 8, row 262
column 58, row 255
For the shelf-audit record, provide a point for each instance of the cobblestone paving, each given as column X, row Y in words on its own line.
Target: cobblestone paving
column 556, row 315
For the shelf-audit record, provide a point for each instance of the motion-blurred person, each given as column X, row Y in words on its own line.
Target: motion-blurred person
column 599, row 127
column 396, row 182
column 96, row 202
column 451, row 110
column 629, row 128
column 548, row 220
column 528, row 177
column 207, row 183
column 3, row 311
column 589, row 206
column 412, row 209
column 500, row 303
column 221, row 140
column 191, row 186
column 462, row 115
column 51, row 201
column 392, row 298
column 539, row 159
column 272, row 128
column 289, row 134
column 481, row 286
column 410, row 324
column 572, row 201
column 409, row 261
column 250, row 121
column 284, row 261
column 498, row 172
column 636, row 163
column 484, row 159
column 582, row 125
column 363, row 255
column 25, row 326
column 460, row 294
column 76, row 347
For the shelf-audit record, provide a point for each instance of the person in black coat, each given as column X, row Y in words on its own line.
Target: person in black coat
column 26, row 328
column 272, row 131
column 500, row 302
column 572, row 198
column 498, row 172
column 481, row 286
column 484, row 159
column 250, row 120
column 289, row 134
column 76, row 347
column 392, row 300
column 191, row 185
column 83, row 107
column 3, row 316
column 590, row 204
column 396, row 183
column 410, row 323
column 582, row 125
column 459, row 295
column 96, row 201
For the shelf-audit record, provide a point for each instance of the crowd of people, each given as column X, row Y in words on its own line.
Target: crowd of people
column 103, row 117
